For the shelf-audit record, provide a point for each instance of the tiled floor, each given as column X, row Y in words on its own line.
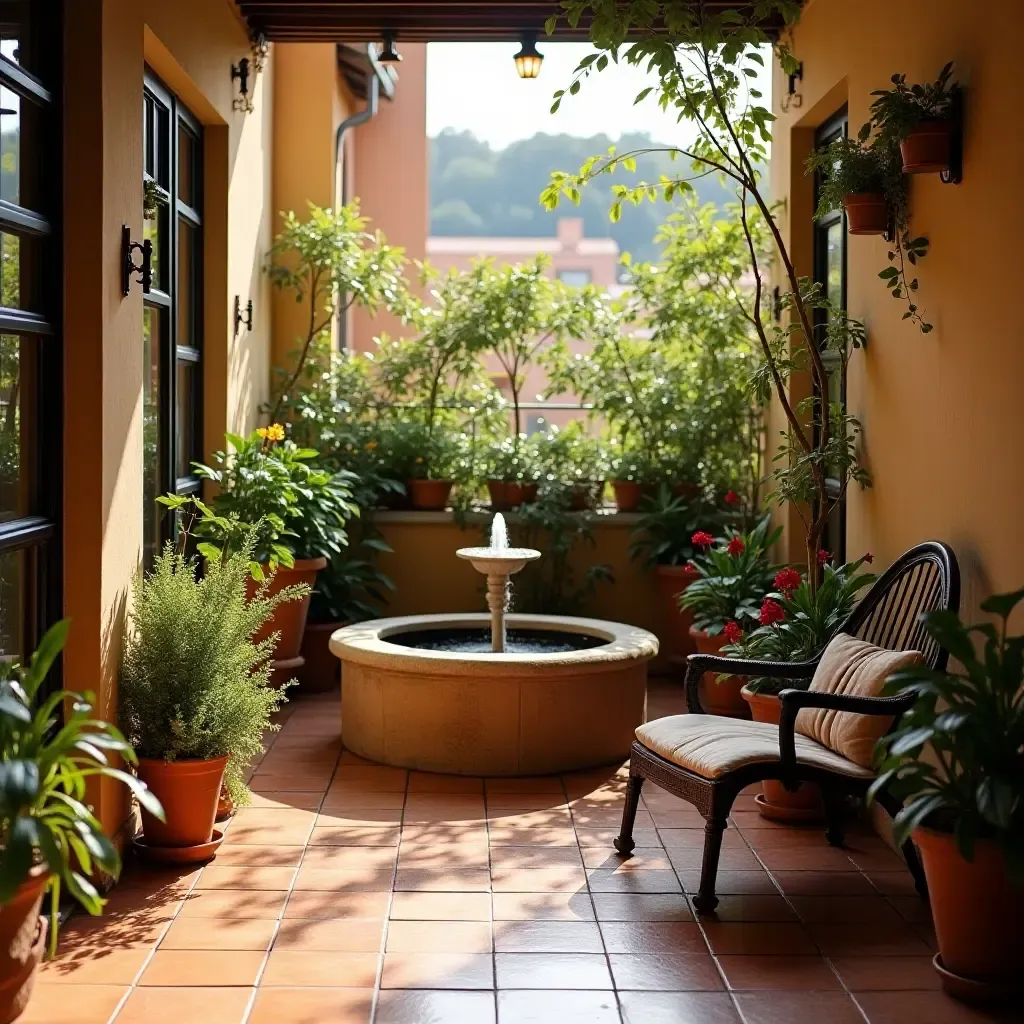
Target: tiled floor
column 350, row 892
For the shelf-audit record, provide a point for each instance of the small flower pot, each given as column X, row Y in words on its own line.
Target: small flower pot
column 509, row 494
column 629, row 494
column 674, row 636
column 586, row 495
column 430, row 495
column 867, row 213
column 22, row 944
column 977, row 910
column 926, row 150
column 776, row 802
column 289, row 618
column 322, row 670
column 719, row 696
column 189, row 791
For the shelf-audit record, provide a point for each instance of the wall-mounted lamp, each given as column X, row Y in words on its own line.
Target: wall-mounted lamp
column 792, row 97
column 243, row 101
column 240, row 319
column 389, row 52
column 529, row 58
column 144, row 268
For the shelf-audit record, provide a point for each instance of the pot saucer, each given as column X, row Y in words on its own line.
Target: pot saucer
column 975, row 990
column 782, row 813
column 179, row 854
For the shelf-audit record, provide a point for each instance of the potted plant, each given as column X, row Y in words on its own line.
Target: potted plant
column 195, row 694
column 856, row 177
column 635, row 476
column 570, row 456
column 49, row 837
column 511, row 470
column 957, row 760
column 442, row 458
column 731, row 581
column 919, row 119
column 797, row 622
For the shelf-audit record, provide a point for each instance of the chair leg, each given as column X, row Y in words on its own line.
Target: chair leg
column 624, row 843
column 835, row 831
column 705, row 901
column 916, row 868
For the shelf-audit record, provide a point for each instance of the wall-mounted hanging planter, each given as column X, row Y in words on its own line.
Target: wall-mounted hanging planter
column 926, row 149
column 867, row 213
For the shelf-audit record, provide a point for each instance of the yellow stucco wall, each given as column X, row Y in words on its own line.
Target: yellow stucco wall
column 943, row 426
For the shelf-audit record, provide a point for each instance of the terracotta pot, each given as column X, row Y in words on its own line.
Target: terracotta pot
column 22, row 944
column 629, row 494
column 430, row 495
column 926, row 149
column 190, row 793
column 322, row 670
column 977, row 910
column 685, row 490
column 288, row 618
column 867, row 213
column 586, row 495
column 719, row 696
column 225, row 805
column 779, row 804
column 508, row 494
column 676, row 642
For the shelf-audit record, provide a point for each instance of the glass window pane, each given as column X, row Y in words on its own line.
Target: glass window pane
column 17, row 414
column 187, row 333
column 154, row 227
column 185, row 431
column 19, row 272
column 186, row 167
column 21, row 32
column 12, row 603
column 152, row 486
column 10, row 144
column 834, row 240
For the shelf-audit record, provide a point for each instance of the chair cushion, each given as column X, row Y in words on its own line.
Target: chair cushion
column 712, row 746
column 858, row 669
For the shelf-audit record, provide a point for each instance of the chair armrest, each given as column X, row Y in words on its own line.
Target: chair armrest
column 698, row 664
column 794, row 700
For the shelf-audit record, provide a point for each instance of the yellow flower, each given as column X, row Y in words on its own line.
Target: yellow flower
column 275, row 432
column 262, row 431
column 370, row 445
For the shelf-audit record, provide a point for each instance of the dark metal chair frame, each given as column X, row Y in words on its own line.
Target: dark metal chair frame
column 925, row 578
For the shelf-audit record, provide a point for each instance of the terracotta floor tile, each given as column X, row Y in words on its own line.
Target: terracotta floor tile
column 439, row 937
column 553, row 1007
column 276, row 798
column 260, row 878
column 420, row 856
column 640, row 881
column 72, row 1004
column 886, row 974
column 344, row 800
column 641, row 907
column 299, row 781
column 303, row 968
column 547, row 937
column 438, row 971
column 233, row 903
column 787, row 838
column 147, row 904
column 156, row 879
column 351, row 858
column 690, row 859
column 733, row 883
column 371, row 777
column 873, row 910
column 420, row 879
column 552, row 970
column 739, row 907
column 259, row 856
column 92, row 964
column 312, row 1006
column 779, row 973
column 427, row 782
column 505, row 835
column 112, row 931
column 364, row 817
column 875, row 859
column 805, row 858
column 661, row 972
column 641, row 859
column 443, row 835
column 823, row 883
column 355, row 835
column 747, row 937
column 893, row 939
column 542, row 906
column 185, row 1004
column 912, row 908
column 397, row 1006
column 206, row 967
column 605, row 837
column 312, row 904
column 933, row 1007
column 534, row 784
column 441, row 906
column 684, row 818
column 752, row 820
column 677, row 1008
column 694, row 838
column 351, row 935
column 555, row 878
column 653, row 937
column 893, row 883
column 611, row 817
column 231, row 933
column 264, row 835
column 552, row 818
column 273, row 817
column 801, row 1007
column 334, row 881
column 500, row 802
column 529, row 858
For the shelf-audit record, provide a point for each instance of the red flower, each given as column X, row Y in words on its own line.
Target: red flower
column 691, row 569
column 869, row 558
column 736, row 546
column 732, row 632
column 824, row 556
column 731, row 498
column 702, row 539
column 787, row 580
column 771, row 611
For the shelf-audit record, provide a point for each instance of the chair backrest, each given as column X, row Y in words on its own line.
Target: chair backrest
column 926, row 578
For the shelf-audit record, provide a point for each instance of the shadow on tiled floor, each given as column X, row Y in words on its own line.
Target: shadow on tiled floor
column 350, row 892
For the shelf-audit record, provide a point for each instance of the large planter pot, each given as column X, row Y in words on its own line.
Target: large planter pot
column 322, row 670
column 867, row 213
column 509, row 494
column 926, row 149
column 777, row 803
column 629, row 494
column 977, row 910
column 22, row 943
column 289, row 618
column 189, row 791
column 430, row 495
column 676, row 642
column 719, row 696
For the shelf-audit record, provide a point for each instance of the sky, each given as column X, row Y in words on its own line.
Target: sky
column 474, row 87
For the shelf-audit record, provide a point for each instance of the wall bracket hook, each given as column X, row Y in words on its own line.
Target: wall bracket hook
column 144, row 267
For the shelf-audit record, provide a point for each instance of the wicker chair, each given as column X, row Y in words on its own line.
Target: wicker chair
column 925, row 578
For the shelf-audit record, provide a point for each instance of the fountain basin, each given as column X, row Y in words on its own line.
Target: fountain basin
column 467, row 713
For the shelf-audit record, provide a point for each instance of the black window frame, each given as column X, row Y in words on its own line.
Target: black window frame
column 161, row 156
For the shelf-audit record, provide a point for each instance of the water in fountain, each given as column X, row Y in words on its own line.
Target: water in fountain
column 499, row 542
column 499, row 533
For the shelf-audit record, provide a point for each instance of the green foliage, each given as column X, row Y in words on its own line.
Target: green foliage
column 569, row 455
column 957, row 757
column 194, row 683
column 732, row 579
column 514, row 459
column 47, row 762
column 666, row 524
column 352, row 587
column 812, row 619
column 896, row 112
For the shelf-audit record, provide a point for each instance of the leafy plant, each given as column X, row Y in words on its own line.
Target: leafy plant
column 797, row 622
column 513, row 459
column 957, row 756
column 569, row 455
column 46, row 765
column 896, row 112
column 663, row 533
column 352, row 587
column 732, row 580
column 194, row 680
